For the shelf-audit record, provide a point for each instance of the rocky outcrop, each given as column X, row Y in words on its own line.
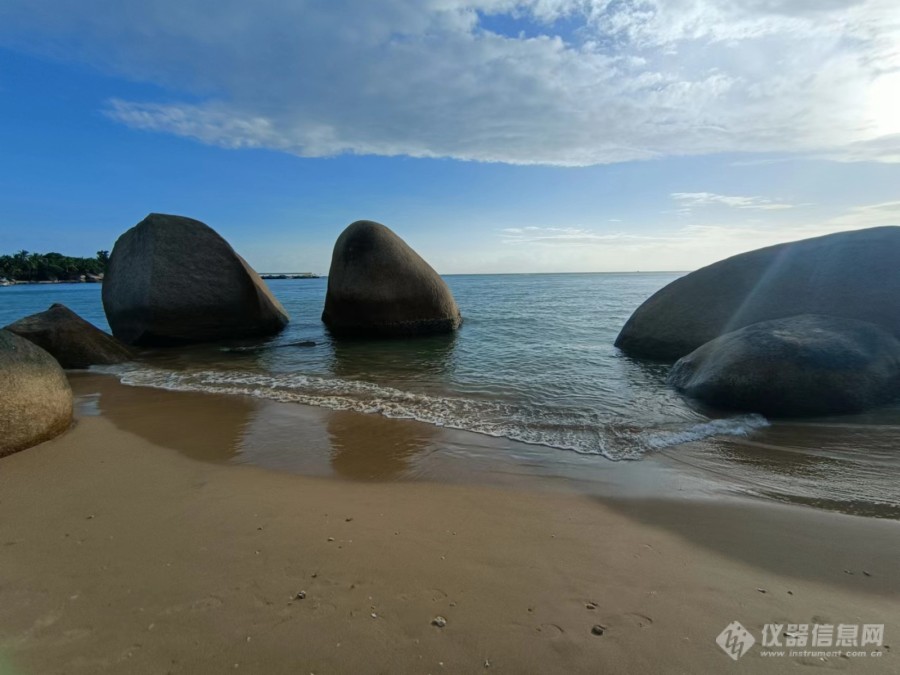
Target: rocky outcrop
column 850, row 274
column 173, row 280
column 71, row 340
column 798, row 366
column 379, row 287
column 35, row 399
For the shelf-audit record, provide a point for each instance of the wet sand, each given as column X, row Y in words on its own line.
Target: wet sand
column 134, row 544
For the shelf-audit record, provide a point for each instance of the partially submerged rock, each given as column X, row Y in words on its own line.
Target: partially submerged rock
column 798, row 366
column 71, row 340
column 256, row 349
column 173, row 280
column 35, row 399
column 379, row 287
column 855, row 275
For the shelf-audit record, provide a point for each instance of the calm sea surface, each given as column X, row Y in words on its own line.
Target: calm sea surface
column 534, row 362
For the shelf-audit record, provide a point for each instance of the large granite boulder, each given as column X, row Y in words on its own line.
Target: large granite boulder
column 35, row 399
column 379, row 287
column 173, row 280
column 850, row 274
column 71, row 340
column 801, row 365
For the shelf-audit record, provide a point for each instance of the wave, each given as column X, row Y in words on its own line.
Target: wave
column 743, row 425
column 580, row 431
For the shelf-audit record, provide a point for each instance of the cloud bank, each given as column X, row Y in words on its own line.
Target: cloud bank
column 564, row 82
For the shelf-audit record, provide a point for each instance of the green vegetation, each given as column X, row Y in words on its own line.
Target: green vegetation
column 25, row 266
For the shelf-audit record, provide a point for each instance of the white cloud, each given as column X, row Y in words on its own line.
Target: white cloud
column 666, row 246
column 572, row 236
column 868, row 215
column 689, row 200
column 639, row 79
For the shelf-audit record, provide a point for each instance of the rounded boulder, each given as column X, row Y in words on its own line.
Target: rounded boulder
column 35, row 400
column 173, row 280
column 799, row 366
column 379, row 287
column 72, row 341
column 854, row 275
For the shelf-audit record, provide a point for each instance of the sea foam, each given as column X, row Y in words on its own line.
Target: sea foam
column 537, row 425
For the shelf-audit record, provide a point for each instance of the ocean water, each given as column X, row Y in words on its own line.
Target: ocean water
column 533, row 362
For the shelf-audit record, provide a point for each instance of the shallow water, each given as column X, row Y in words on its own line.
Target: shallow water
column 533, row 362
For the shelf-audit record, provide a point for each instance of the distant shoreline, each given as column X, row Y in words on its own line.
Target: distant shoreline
column 289, row 275
column 268, row 277
column 47, row 283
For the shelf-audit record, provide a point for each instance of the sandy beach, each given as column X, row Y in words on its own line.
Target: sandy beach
column 388, row 337
column 122, row 555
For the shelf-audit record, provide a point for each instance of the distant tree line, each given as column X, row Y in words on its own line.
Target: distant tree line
column 25, row 266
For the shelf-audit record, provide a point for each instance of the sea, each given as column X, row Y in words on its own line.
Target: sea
column 533, row 363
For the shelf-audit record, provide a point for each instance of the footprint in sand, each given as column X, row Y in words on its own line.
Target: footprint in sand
column 551, row 631
column 627, row 620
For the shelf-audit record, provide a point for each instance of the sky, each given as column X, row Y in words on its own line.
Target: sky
column 492, row 135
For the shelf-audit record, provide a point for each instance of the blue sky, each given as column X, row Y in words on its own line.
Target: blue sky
column 493, row 135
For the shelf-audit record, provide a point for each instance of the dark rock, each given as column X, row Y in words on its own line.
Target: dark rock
column 255, row 349
column 71, row 340
column 801, row 365
column 283, row 345
column 35, row 399
column 850, row 274
column 173, row 280
column 379, row 287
